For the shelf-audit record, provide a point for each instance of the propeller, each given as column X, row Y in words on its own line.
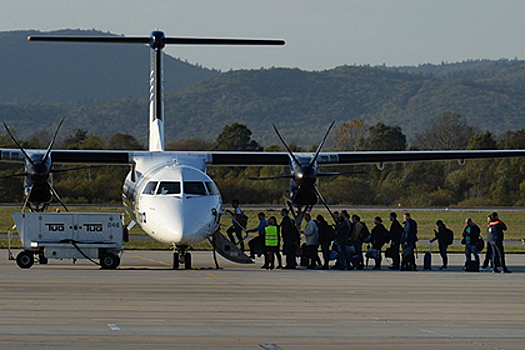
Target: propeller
column 38, row 170
column 304, row 175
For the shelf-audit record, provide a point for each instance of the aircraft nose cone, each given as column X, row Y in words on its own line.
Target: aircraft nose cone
column 181, row 222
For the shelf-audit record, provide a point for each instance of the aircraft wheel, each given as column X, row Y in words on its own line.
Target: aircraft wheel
column 175, row 261
column 25, row 259
column 109, row 261
column 187, row 261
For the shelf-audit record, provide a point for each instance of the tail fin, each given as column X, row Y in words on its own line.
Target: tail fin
column 156, row 102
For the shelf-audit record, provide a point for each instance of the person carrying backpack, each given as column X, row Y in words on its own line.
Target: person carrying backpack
column 408, row 243
column 326, row 236
column 379, row 236
column 445, row 237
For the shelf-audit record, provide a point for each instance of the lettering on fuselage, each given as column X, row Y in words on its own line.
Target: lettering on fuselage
column 56, row 227
column 94, row 227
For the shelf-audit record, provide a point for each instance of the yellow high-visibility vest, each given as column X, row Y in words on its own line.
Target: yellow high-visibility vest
column 270, row 236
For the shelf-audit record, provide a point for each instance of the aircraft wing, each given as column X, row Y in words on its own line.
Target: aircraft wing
column 354, row 158
column 96, row 157
column 234, row 158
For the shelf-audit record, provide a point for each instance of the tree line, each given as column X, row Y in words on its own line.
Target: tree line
column 486, row 182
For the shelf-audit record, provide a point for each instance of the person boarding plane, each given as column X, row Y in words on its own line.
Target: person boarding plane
column 168, row 194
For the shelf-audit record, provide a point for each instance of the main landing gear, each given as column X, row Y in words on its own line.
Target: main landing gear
column 181, row 257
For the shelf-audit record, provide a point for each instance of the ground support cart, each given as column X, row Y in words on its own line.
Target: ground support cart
column 93, row 236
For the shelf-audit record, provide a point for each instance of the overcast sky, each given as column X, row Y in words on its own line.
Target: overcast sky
column 319, row 34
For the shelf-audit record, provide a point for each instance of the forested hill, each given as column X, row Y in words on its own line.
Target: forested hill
column 301, row 103
column 51, row 72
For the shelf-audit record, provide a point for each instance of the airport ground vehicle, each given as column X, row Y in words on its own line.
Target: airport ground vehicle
column 76, row 235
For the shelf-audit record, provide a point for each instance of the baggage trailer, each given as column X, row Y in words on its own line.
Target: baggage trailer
column 70, row 236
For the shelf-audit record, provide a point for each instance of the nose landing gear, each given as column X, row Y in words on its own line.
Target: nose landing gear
column 181, row 256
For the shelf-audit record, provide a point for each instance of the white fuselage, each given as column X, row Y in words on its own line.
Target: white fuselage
column 173, row 200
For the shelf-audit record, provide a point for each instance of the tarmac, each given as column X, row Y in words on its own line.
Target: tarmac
column 145, row 304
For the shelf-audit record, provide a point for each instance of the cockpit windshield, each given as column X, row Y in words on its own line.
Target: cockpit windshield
column 150, row 187
column 169, row 187
column 194, row 188
column 212, row 188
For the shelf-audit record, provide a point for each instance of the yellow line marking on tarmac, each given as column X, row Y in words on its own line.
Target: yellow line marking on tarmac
column 226, row 277
column 152, row 260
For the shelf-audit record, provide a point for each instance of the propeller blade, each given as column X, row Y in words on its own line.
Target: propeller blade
column 14, row 175
column 321, row 144
column 61, row 170
column 53, row 140
column 272, row 177
column 342, row 173
column 324, row 203
column 27, row 198
column 286, row 146
column 18, row 144
column 56, row 195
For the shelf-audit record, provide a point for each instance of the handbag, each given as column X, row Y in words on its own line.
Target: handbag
column 373, row 253
column 408, row 250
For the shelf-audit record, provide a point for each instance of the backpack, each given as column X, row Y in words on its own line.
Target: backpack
column 243, row 220
column 448, row 238
column 364, row 235
column 331, row 233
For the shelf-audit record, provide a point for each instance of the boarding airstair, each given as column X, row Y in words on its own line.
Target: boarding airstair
column 226, row 248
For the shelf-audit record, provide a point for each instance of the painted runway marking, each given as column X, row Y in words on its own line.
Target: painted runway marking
column 113, row 327
column 270, row 347
column 151, row 260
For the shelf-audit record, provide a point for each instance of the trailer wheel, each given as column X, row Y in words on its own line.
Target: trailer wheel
column 109, row 261
column 25, row 259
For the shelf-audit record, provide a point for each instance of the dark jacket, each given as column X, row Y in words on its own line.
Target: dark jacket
column 288, row 232
column 396, row 233
column 475, row 233
column 495, row 231
column 326, row 233
column 410, row 233
column 379, row 236
column 441, row 235
column 342, row 234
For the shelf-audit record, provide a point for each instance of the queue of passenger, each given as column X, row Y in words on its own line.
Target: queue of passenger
column 343, row 242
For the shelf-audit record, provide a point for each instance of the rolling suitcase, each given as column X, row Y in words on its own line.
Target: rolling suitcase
column 427, row 259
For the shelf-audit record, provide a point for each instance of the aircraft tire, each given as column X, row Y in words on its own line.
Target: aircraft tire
column 176, row 261
column 187, row 261
column 109, row 261
column 25, row 259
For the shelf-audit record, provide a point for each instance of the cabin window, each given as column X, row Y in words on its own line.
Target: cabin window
column 171, row 187
column 150, row 187
column 194, row 187
column 212, row 188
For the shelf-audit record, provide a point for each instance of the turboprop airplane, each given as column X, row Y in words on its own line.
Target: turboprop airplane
column 168, row 194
